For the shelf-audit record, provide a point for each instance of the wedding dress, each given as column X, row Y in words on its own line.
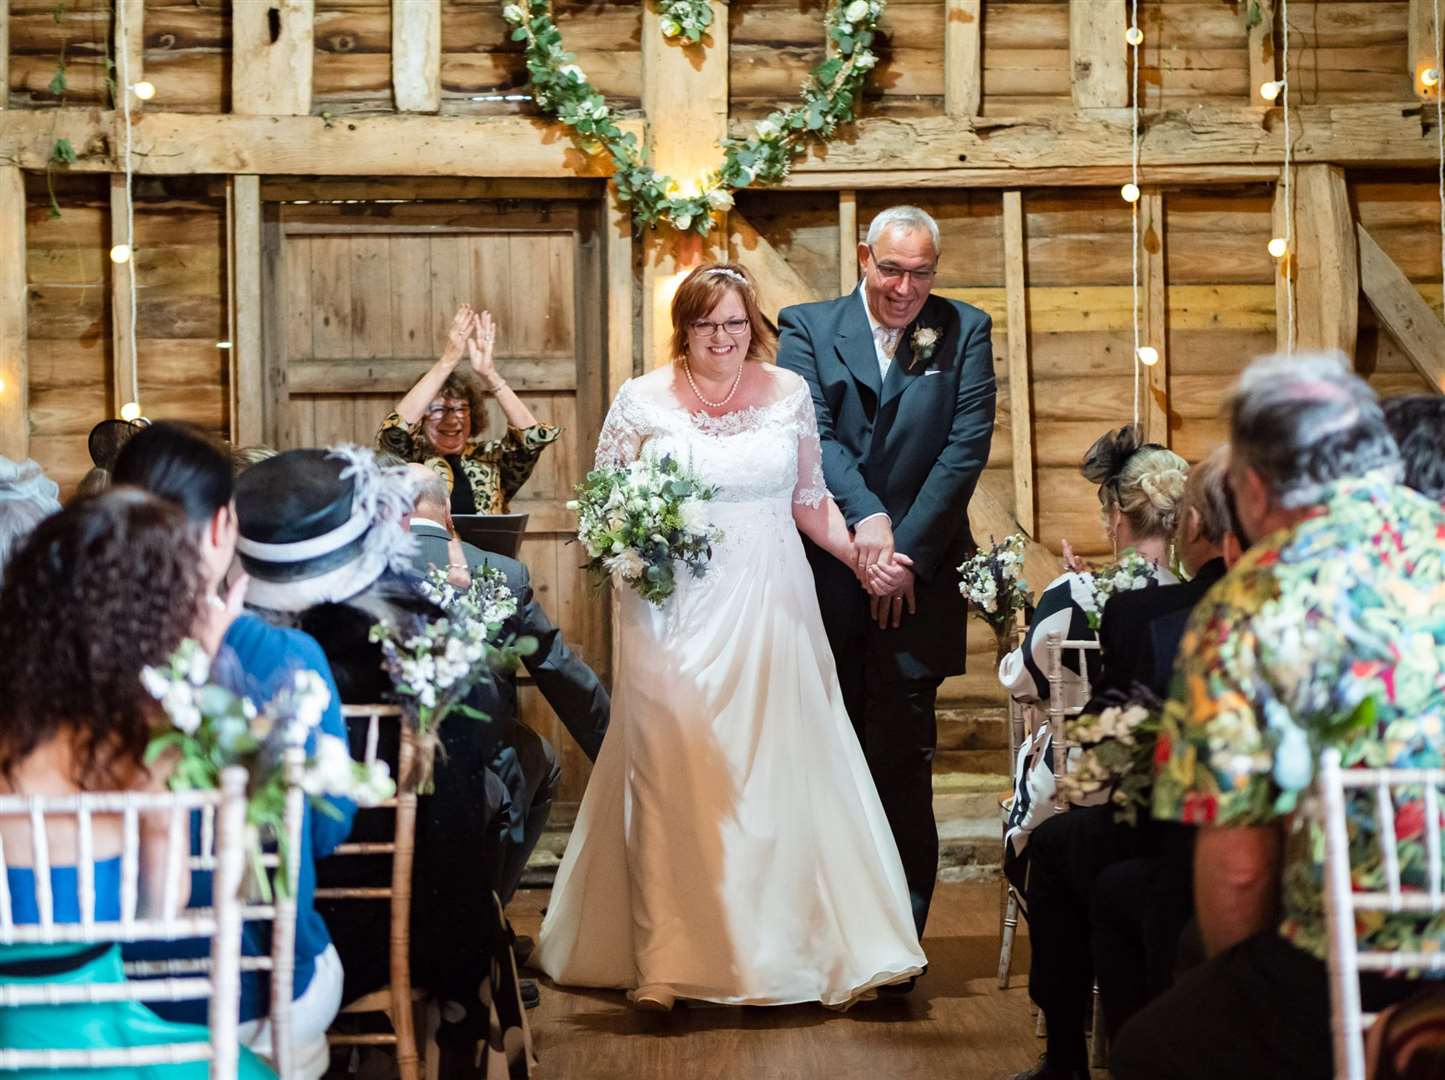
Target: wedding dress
column 730, row 846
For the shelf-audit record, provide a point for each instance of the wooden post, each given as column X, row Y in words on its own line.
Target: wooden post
column 1402, row 311
column 125, row 365
column 847, row 242
column 130, row 50
column 416, row 55
column 4, row 53
column 271, row 49
column 246, row 355
column 1323, row 262
column 1156, row 303
column 779, row 285
column 1423, row 54
column 1020, row 398
column 685, row 96
column 1098, row 54
column 1258, row 18
column 619, row 295
column 14, row 377
column 962, row 57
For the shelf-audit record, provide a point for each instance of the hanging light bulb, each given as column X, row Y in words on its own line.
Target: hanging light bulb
column 1278, row 246
column 1148, row 355
column 1271, row 90
column 2, row 384
column 1129, row 193
column 120, row 253
column 1134, row 35
column 1430, row 77
column 144, row 90
column 130, row 411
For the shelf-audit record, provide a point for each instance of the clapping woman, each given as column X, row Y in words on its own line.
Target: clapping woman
column 441, row 422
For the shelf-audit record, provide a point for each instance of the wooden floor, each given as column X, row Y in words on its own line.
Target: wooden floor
column 956, row 1024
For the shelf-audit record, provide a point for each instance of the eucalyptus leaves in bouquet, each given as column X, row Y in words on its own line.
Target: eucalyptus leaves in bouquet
column 1130, row 571
column 487, row 598
column 1116, row 753
column 211, row 728
column 639, row 521
column 993, row 584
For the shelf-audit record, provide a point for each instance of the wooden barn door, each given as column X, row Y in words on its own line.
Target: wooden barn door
column 359, row 297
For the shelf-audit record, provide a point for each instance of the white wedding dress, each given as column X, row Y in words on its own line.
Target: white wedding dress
column 731, row 846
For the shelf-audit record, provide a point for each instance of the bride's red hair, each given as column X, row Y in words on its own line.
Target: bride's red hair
column 701, row 291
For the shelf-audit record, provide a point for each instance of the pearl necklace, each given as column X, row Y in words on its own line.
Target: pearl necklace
column 737, row 381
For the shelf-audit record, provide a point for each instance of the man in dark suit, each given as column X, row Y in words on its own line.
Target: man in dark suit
column 903, row 387
column 529, row 764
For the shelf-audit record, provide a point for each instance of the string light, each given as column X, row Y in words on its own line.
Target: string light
column 1271, row 90
column 1134, row 36
column 2, row 384
column 123, row 56
column 1430, row 77
column 1148, row 355
column 145, row 90
column 130, row 411
column 1439, row 129
column 120, row 253
column 1278, row 246
column 1129, row 193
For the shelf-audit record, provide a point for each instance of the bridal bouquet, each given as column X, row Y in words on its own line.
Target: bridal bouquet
column 992, row 582
column 487, row 599
column 1130, row 571
column 212, row 728
column 1116, row 753
column 637, row 522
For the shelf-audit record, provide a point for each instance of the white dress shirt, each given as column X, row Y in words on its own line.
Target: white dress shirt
column 885, row 344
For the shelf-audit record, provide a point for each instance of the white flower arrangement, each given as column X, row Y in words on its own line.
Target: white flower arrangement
column 1116, row 754
column 992, row 582
column 638, row 522
column 1130, row 571
column 924, row 341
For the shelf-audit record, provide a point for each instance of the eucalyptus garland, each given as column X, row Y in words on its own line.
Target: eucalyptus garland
column 685, row 18
column 830, row 97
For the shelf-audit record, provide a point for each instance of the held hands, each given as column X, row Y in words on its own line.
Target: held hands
column 890, row 586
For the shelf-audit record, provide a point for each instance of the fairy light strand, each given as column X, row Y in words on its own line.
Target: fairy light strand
column 125, row 98
column 1438, row 60
column 1288, row 265
column 1134, row 40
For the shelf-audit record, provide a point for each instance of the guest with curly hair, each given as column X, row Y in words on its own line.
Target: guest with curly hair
column 442, row 419
column 99, row 591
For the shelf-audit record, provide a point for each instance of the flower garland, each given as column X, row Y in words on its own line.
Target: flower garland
column 685, row 18
column 829, row 98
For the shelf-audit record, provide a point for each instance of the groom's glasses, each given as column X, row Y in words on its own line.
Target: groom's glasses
column 891, row 272
column 706, row 328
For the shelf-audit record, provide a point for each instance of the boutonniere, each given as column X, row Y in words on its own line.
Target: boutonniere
column 924, row 341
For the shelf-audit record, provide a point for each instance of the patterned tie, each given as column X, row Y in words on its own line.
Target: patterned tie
column 887, row 339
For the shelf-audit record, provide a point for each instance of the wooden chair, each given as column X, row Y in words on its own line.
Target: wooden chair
column 1346, row 960
column 220, row 983
column 395, row 999
column 280, row 912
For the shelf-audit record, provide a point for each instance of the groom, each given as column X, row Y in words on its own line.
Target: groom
column 903, row 387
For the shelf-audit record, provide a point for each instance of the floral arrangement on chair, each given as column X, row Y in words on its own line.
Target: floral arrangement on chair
column 1130, row 571
column 212, row 728
column 1117, row 747
column 639, row 521
column 992, row 582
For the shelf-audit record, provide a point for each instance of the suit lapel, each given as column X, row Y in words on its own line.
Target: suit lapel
column 904, row 372
column 855, row 344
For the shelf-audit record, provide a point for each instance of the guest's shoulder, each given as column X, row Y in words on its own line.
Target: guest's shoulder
column 255, row 641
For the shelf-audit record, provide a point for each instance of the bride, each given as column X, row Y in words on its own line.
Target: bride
column 731, row 846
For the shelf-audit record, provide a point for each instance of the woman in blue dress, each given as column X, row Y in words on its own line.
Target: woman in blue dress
column 98, row 591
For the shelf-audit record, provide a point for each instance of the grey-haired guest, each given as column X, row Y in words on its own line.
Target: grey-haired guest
column 27, row 497
column 1418, row 423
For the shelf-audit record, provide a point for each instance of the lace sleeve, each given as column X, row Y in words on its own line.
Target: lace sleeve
column 811, row 489
column 621, row 437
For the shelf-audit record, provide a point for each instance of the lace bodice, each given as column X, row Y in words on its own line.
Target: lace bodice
column 765, row 453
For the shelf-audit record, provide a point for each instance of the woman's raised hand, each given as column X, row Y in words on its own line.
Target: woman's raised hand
column 481, row 348
column 1072, row 562
column 459, row 334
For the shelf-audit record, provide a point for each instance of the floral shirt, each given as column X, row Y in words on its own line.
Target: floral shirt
column 1347, row 607
column 496, row 468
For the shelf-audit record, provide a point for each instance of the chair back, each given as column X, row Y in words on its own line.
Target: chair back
column 220, row 983
column 1346, row 959
column 1068, row 694
column 396, row 1000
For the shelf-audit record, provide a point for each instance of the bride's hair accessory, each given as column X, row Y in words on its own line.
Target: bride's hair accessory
column 723, row 271
column 1105, row 460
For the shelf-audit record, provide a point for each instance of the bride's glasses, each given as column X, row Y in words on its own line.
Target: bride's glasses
column 707, row 328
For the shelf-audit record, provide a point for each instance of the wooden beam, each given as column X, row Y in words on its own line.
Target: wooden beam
column 685, row 96
column 620, row 337
column 962, row 57
column 14, row 296
column 4, row 53
column 847, row 242
column 1155, row 331
column 1061, row 176
column 272, row 43
column 989, row 517
column 1258, row 17
column 1401, row 310
column 397, row 375
column 1323, row 263
column 276, row 391
column 416, row 55
column 246, row 347
column 779, row 285
column 1422, row 52
column 130, row 49
column 125, row 380
column 1020, row 382
column 1098, row 54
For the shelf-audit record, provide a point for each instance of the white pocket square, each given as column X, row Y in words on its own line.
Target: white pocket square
column 934, row 371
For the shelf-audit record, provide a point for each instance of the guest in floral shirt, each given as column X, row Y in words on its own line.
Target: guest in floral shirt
column 441, row 419
column 1329, row 632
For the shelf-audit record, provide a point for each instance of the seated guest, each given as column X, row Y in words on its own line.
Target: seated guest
column 98, row 592
column 1418, row 424
column 104, row 443
column 1069, row 852
column 181, row 464
column 442, row 419
column 323, row 541
column 1336, row 602
column 27, row 497
column 243, row 457
column 569, row 685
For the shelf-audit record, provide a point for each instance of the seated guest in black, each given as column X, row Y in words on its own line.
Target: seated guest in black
column 323, row 542
column 1417, row 421
column 1069, row 851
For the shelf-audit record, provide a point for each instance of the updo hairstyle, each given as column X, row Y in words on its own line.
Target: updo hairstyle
column 1144, row 481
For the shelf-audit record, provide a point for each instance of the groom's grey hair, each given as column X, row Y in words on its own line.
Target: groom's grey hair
column 908, row 218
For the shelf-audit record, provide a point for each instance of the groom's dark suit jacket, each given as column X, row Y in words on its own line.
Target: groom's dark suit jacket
column 913, row 447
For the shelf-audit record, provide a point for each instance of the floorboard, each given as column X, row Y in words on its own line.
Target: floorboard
column 956, row 1024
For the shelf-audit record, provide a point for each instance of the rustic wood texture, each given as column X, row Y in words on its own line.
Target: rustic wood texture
column 14, row 376
column 247, row 353
column 187, row 55
column 416, row 53
column 1098, row 55
column 1154, row 302
column 39, row 32
column 1019, row 381
column 1400, row 309
column 1325, row 263
column 848, row 239
column 962, row 57
column 1260, row 19
column 1423, row 55
column 4, row 53
column 271, row 57
column 1349, row 51
column 124, row 380
column 779, row 285
column 129, row 47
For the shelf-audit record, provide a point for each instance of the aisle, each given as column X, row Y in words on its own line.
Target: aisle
column 956, row 1024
